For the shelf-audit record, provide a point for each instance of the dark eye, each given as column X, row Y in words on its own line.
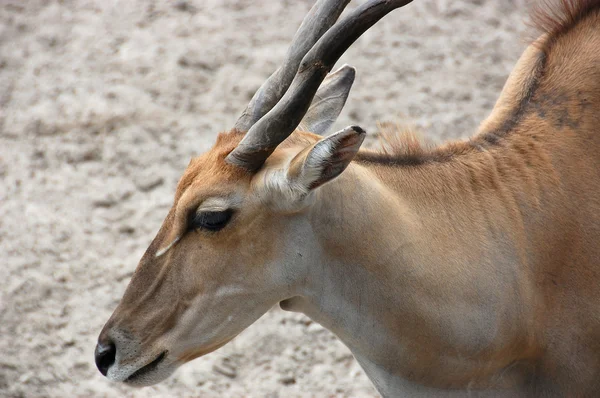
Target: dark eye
column 210, row 220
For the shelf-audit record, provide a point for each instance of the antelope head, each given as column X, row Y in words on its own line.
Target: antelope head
column 238, row 237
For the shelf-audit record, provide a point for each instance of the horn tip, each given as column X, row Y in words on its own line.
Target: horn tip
column 347, row 70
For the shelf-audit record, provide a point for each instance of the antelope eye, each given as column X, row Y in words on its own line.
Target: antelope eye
column 210, row 220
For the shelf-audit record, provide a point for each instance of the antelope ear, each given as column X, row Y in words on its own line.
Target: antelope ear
column 329, row 101
column 325, row 160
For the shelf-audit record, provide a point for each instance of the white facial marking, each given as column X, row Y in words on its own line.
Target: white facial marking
column 166, row 249
column 214, row 204
column 279, row 191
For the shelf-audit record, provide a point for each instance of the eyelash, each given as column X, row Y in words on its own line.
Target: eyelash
column 210, row 220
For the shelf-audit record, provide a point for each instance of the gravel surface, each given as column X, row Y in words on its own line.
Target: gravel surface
column 103, row 103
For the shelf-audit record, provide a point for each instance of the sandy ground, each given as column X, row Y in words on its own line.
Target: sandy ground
column 102, row 104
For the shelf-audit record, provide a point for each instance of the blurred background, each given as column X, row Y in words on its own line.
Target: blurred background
column 102, row 105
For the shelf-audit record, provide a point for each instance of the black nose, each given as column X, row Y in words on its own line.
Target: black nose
column 105, row 356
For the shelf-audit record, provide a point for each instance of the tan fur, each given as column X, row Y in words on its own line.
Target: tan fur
column 473, row 267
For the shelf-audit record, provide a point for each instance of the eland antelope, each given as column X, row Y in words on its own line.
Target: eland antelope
column 469, row 269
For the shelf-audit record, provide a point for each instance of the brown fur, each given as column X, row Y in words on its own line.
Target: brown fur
column 215, row 159
column 479, row 260
column 555, row 17
column 534, row 165
column 403, row 148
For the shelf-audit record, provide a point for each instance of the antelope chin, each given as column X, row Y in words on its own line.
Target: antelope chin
column 153, row 372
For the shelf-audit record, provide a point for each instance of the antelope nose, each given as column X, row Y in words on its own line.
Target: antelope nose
column 105, row 356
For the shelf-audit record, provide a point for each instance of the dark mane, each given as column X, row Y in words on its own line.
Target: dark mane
column 402, row 145
column 551, row 18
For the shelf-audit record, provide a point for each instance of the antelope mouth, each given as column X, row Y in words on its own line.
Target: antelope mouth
column 147, row 368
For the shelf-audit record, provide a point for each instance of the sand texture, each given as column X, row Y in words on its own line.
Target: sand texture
column 102, row 105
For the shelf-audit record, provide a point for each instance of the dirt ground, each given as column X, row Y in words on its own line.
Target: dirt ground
column 103, row 103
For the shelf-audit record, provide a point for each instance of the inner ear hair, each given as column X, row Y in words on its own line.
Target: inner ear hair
column 327, row 158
